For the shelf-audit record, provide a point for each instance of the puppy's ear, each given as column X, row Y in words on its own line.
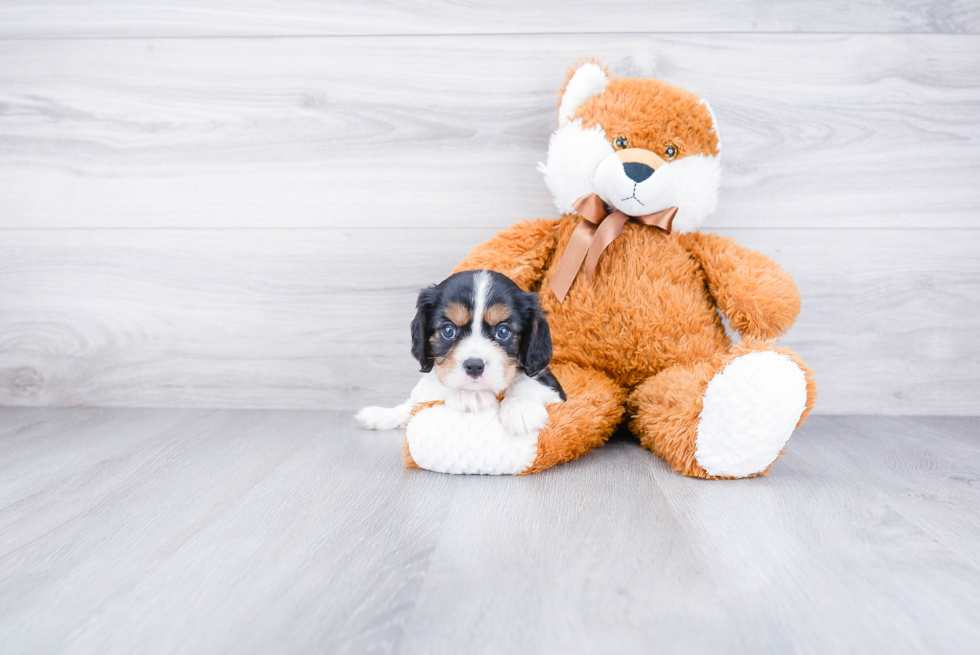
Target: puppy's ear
column 422, row 328
column 535, row 352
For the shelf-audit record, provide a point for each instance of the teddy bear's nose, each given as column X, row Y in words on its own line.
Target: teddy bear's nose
column 636, row 171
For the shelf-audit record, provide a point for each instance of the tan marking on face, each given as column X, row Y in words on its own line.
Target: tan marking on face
column 445, row 366
column 496, row 313
column 458, row 314
column 510, row 370
column 508, row 362
column 640, row 156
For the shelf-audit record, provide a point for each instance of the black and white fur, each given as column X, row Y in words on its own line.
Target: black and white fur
column 475, row 335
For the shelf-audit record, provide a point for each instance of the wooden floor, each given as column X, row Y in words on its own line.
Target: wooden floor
column 165, row 531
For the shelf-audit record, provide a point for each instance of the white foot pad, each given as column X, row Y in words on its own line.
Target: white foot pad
column 750, row 409
column 447, row 441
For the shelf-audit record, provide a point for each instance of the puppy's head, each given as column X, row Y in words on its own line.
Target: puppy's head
column 478, row 330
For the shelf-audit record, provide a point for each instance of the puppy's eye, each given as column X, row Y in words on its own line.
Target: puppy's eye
column 621, row 142
column 670, row 151
column 502, row 333
column 449, row 331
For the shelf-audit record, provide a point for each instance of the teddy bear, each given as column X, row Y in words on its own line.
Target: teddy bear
column 634, row 292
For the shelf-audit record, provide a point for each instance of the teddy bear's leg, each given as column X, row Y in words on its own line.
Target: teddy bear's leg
column 585, row 421
column 729, row 418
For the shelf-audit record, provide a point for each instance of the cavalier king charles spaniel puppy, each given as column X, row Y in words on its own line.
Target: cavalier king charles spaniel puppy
column 477, row 335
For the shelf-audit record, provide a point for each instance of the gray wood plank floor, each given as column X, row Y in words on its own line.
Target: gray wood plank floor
column 128, row 531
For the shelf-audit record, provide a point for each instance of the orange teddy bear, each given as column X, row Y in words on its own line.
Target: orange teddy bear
column 632, row 288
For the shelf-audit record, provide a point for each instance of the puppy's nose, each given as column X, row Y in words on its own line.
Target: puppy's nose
column 636, row 171
column 473, row 367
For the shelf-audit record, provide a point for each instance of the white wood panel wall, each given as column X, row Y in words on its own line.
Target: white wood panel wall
column 102, row 18
column 244, row 222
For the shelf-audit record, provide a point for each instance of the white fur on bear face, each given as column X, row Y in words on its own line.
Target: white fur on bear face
column 573, row 155
column 698, row 179
column 582, row 161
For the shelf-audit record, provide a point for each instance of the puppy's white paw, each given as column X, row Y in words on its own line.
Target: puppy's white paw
column 471, row 401
column 522, row 415
column 380, row 418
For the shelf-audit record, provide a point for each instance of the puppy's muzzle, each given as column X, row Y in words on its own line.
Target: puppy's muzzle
column 474, row 367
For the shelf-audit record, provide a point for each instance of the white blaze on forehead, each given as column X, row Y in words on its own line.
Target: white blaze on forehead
column 481, row 290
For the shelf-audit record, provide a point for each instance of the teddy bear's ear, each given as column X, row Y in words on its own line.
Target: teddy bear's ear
column 714, row 122
column 587, row 80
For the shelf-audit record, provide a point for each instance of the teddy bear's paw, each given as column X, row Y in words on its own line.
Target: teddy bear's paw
column 443, row 440
column 523, row 415
column 750, row 409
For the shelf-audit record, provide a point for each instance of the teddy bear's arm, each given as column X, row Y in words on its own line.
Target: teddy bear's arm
column 758, row 297
column 520, row 252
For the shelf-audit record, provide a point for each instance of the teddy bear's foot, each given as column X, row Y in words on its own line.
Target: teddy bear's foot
column 749, row 411
column 725, row 421
column 447, row 441
column 444, row 440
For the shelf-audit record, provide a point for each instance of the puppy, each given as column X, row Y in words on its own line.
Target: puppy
column 476, row 334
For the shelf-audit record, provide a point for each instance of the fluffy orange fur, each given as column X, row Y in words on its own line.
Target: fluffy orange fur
column 585, row 421
column 644, row 338
column 407, row 457
column 521, row 252
column 652, row 114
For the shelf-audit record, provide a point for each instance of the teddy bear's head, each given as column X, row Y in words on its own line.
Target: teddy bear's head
column 641, row 144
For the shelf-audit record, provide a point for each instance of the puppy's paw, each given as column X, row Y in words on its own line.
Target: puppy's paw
column 523, row 415
column 380, row 418
column 471, row 401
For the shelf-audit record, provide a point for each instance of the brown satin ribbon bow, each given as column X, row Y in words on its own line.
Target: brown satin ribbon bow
column 593, row 234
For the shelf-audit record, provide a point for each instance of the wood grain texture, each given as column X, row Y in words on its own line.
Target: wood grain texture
column 819, row 130
column 319, row 318
column 100, row 18
column 160, row 531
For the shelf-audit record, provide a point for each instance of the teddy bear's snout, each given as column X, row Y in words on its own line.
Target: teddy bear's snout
column 640, row 185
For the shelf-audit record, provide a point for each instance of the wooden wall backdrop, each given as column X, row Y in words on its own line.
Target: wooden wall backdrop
column 233, row 204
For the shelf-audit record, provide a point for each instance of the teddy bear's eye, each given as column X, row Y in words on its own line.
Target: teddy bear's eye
column 670, row 151
column 621, row 142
